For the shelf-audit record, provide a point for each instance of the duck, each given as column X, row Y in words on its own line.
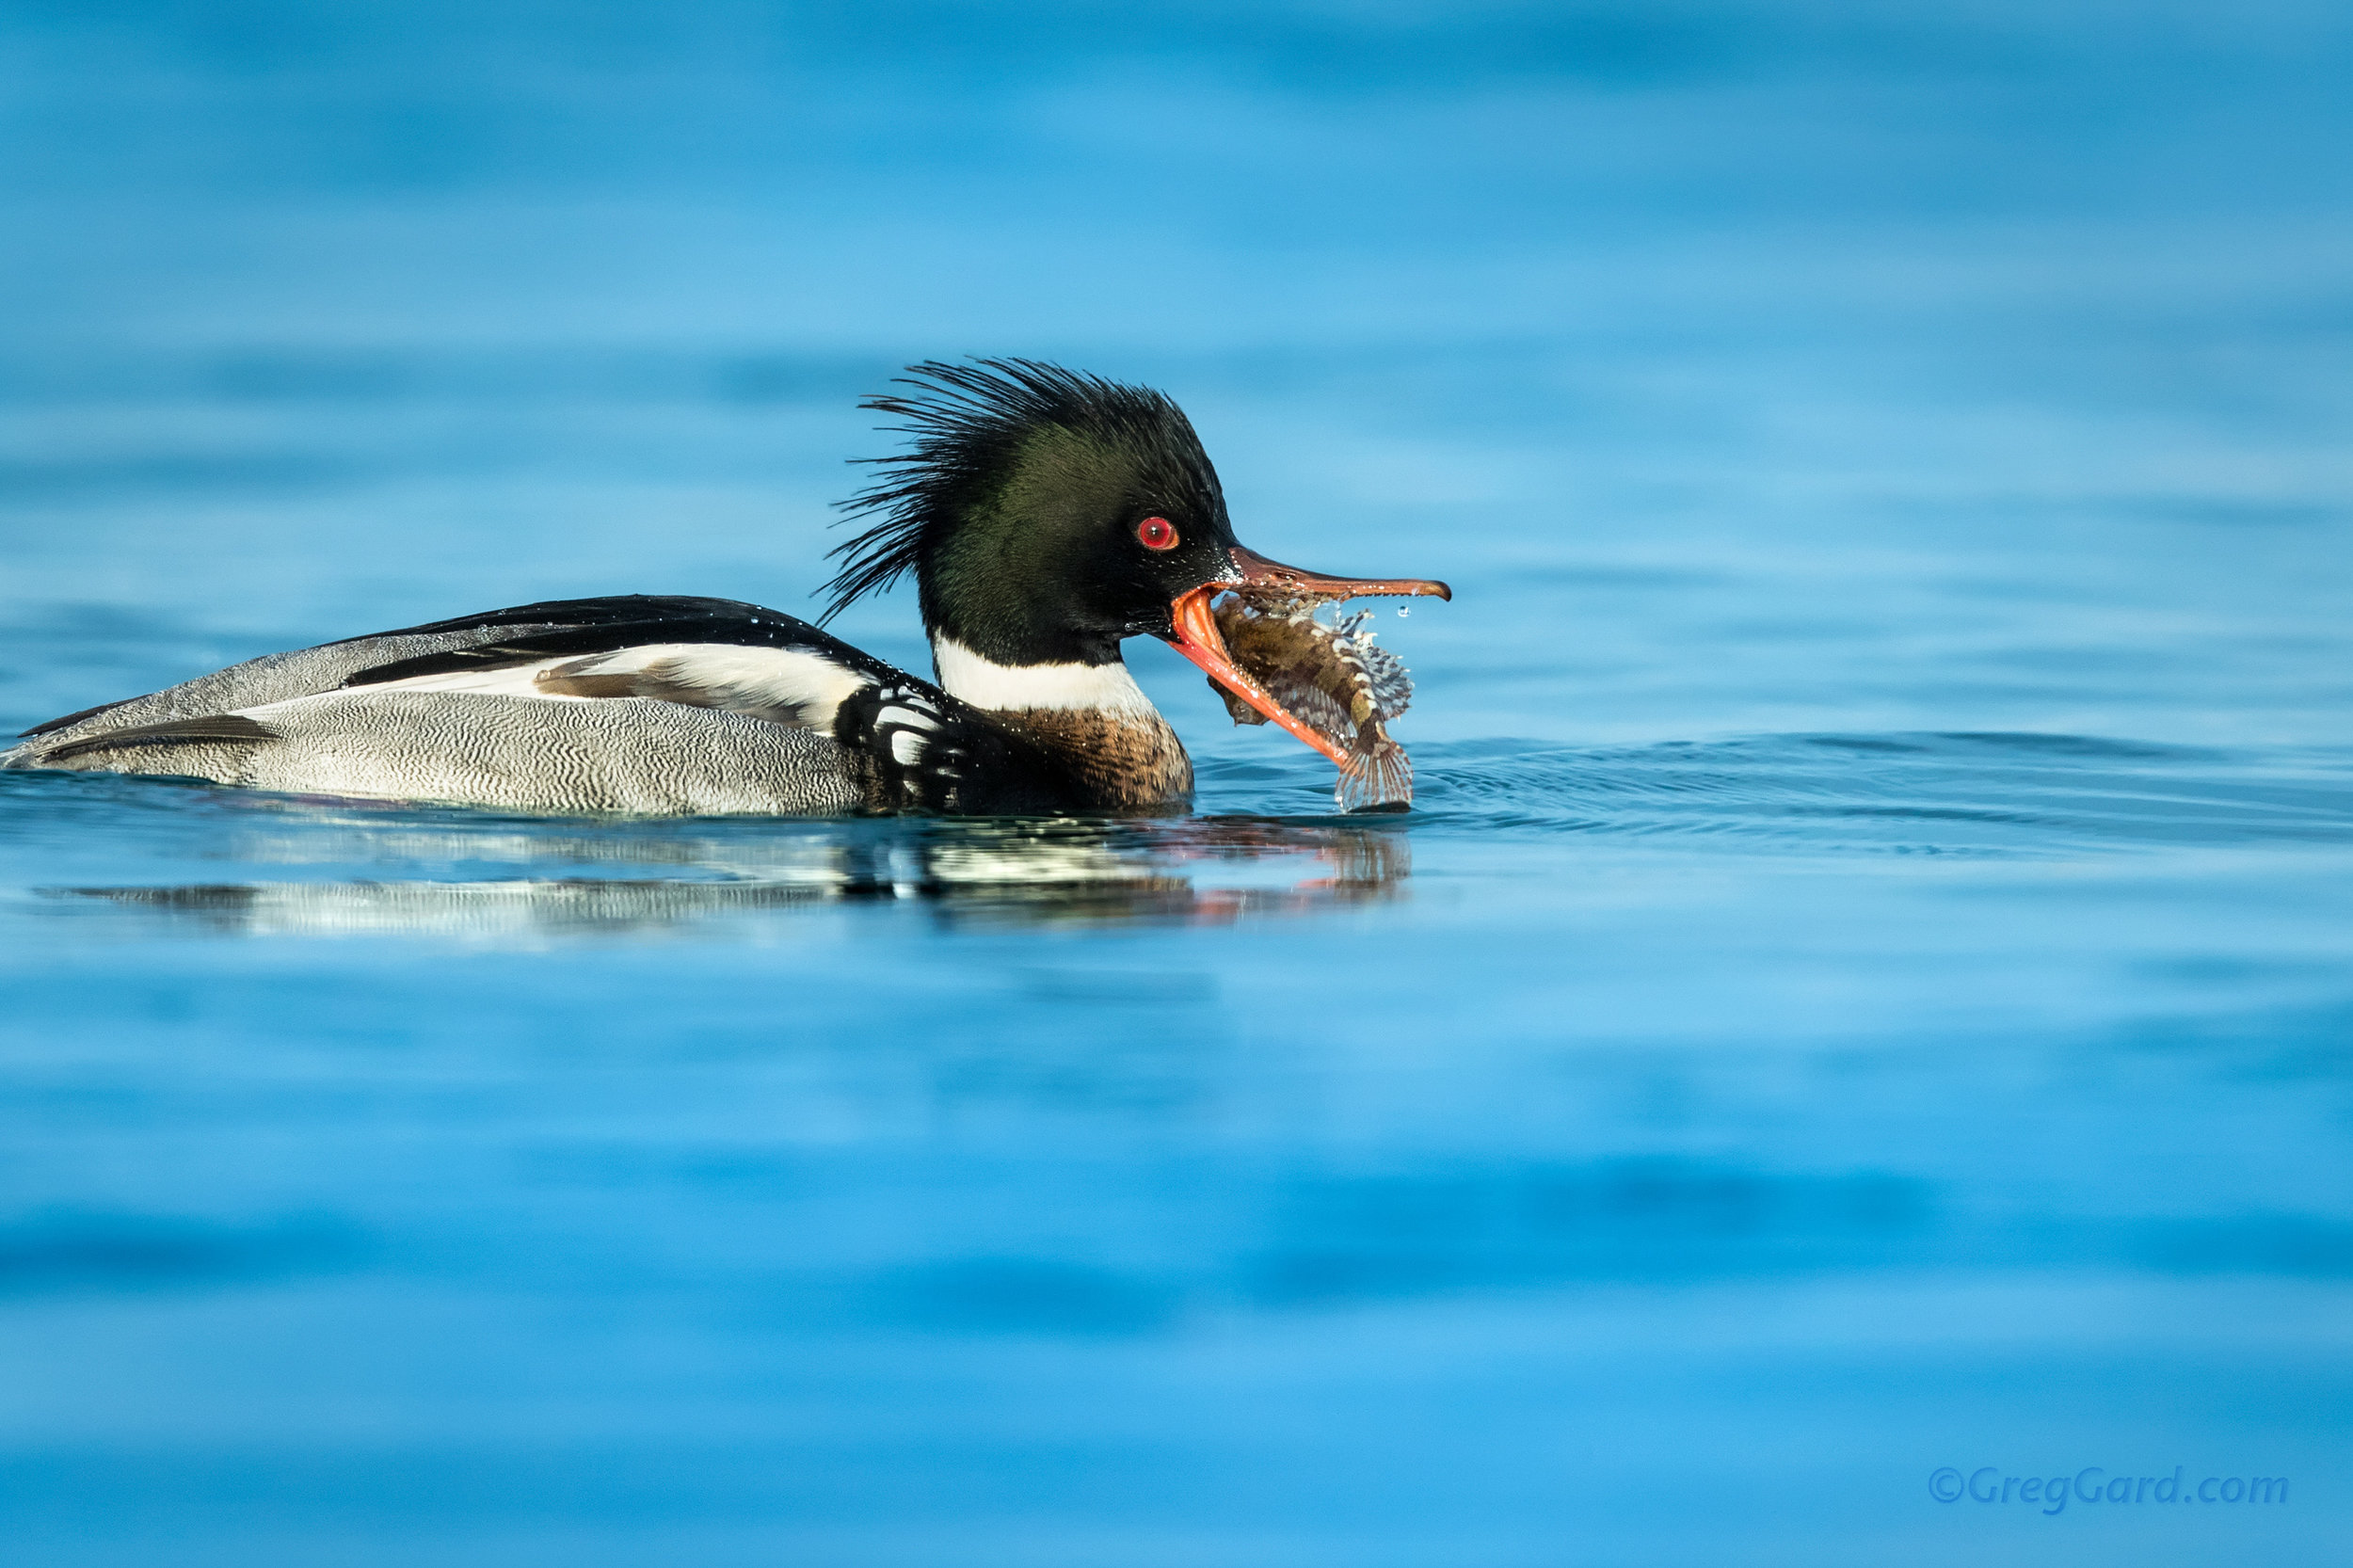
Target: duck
column 1045, row 516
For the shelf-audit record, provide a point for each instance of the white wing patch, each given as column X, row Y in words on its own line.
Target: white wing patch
column 782, row 684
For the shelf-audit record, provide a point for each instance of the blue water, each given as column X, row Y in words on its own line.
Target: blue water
column 1864, row 989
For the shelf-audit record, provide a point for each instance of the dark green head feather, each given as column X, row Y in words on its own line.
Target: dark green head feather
column 1016, row 503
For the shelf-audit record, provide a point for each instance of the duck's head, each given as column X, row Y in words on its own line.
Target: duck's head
column 1047, row 515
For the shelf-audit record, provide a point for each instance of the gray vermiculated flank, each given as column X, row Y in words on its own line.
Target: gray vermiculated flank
column 624, row 755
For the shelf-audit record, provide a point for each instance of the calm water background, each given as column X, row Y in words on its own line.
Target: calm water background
column 1866, row 988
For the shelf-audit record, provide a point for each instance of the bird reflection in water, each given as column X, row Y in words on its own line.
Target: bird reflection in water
column 496, row 878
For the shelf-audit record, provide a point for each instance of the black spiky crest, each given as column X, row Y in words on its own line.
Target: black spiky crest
column 969, row 424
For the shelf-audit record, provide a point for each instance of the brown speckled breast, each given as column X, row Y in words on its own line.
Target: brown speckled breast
column 1122, row 759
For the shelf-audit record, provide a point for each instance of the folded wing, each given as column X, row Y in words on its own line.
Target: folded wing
column 631, row 704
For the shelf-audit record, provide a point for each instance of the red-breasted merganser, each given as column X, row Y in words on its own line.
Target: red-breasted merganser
column 1045, row 514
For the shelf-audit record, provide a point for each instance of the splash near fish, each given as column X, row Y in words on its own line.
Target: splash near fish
column 1331, row 676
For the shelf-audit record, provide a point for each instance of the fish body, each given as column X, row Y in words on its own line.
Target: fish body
column 1333, row 676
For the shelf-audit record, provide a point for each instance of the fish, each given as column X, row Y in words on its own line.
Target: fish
column 1331, row 677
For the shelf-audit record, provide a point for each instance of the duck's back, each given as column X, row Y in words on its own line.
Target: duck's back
column 312, row 671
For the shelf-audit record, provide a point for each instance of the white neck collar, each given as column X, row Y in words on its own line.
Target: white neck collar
column 1005, row 688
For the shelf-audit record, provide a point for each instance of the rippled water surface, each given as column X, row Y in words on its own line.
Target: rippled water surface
column 1865, row 987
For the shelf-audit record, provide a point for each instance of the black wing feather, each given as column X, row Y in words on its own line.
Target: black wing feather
column 578, row 612
column 577, row 627
column 213, row 729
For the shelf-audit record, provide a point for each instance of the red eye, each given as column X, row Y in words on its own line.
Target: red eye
column 1156, row 534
